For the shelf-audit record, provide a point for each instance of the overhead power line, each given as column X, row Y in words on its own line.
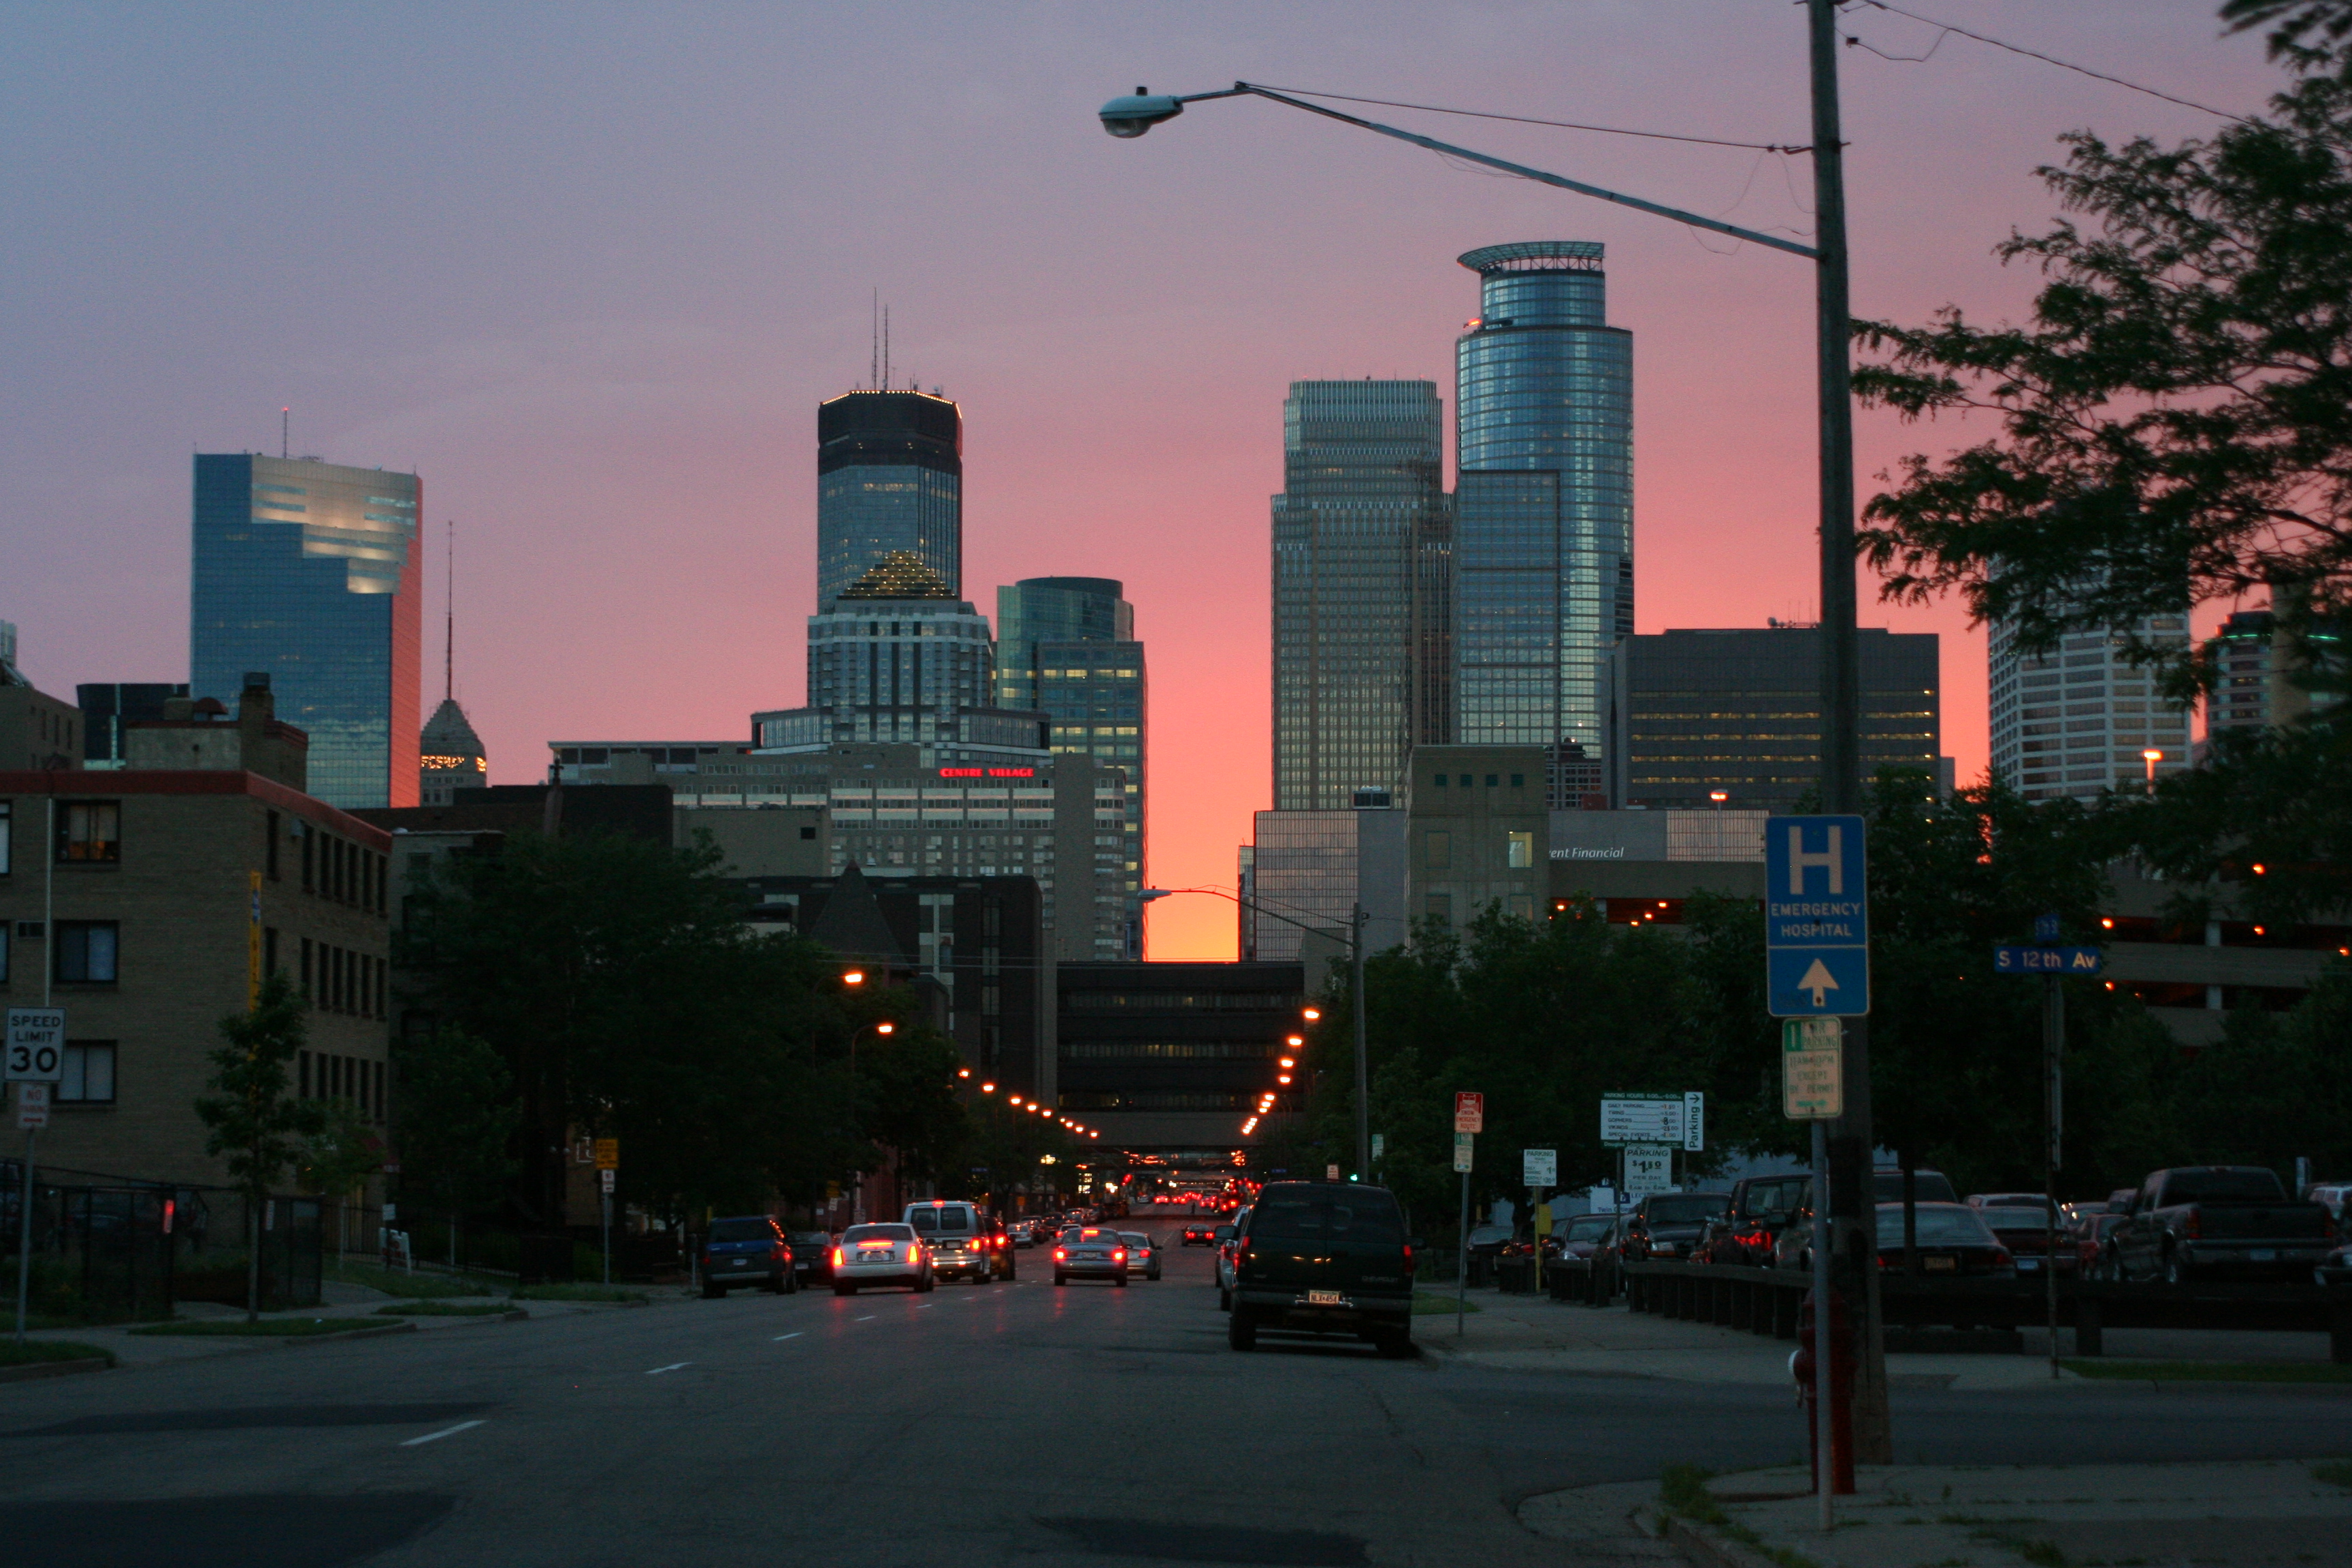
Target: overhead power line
column 2029, row 54
column 1555, row 124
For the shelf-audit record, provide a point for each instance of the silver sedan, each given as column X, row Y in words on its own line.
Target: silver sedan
column 880, row 1255
column 1142, row 1252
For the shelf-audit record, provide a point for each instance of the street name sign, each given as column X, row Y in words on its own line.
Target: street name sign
column 1469, row 1112
column 1649, row 1168
column 1540, row 1167
column 35, row 1049
column 1643, row 1119
column 32, row 1105
column 1380, row 1144
column 1816, row 918
column 1464, row 1143
column 1812, row 1069
column 2046, row 960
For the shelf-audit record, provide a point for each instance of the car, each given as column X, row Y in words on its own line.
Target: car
column 1953, row 1239
column 2025, row 1229
column 1200, row 1232
column 2092, row 1240
column 811, row 1255
column 1585, row 1234
column 1090, row 1252
column 880, row 1254
column 1142, row 1251
column 1666, row 1225
column 1760, row 1208
column 2212, row 1220
column 1226, row 1236
column 2006, row 1200
column 960, row 1237
column 1323, row 1258
column 748, row 1249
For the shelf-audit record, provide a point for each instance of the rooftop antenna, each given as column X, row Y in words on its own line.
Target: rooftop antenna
column 885, row 348
column 285, row 431
column 874, row 332
column 449, row 613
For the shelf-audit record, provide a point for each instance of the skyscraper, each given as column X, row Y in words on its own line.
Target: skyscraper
column 1066, row 646
column 1359, row 589
column 1543, row 508
column 310, row 572
column 2080, row 718
column 889, row 468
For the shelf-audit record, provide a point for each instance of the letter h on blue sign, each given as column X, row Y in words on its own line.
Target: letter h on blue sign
column 1831, row 860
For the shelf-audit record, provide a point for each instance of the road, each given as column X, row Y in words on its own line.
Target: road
column 1080, row 1426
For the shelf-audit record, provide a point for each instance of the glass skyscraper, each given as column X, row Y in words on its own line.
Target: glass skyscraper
column 1543, row 508
column 1066, row 646
column 2079, row 719
column 1359, row 589
column 310, row 572
column 890, row 477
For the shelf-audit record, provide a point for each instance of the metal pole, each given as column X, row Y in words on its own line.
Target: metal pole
column 1824, row 1381
column 608, row 1235
column 24, row 1235
column 1363, row 1058
column 1855, row 1239
column 2053, row 1038
column 1461, row 1262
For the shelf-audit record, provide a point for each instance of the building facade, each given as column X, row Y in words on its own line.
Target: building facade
column 2080, row 718
column 889, row 468
column 1359, row 588
column 2264, row 677
column 1066, row 646
column 310, row 572
column 1307, row 873
column 1543, row 508
column 1738, row 712
column 1172, row 1058
column 36, row 731
column 450, row 756
column 1477, row 834
column 109, row 707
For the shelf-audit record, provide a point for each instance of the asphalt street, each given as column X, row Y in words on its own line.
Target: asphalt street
column 996, row 1424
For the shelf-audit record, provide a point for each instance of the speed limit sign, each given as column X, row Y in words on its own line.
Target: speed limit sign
column 35, row 1051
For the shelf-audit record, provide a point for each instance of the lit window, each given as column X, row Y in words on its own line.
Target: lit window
column 90, row 830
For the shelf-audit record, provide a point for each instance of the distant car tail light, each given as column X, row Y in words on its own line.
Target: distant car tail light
column 1119, row 1255
column 1408, row 1259
column 1060, row 1256
column 836, row 1258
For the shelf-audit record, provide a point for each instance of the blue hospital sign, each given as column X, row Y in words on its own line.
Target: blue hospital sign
column 1816, row 917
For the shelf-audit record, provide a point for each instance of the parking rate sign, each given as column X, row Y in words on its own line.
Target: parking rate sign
column 1816, row 918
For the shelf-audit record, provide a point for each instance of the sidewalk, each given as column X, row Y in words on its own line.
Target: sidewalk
column 2237, row 1515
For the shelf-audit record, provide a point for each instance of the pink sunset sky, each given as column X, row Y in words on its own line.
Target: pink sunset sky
column 590, row 268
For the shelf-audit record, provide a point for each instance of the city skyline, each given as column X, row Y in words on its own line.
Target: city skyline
column 617, row 411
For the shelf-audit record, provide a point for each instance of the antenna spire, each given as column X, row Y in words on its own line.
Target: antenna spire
column 885, row 348
column 285, row 431
column 874, row 333
column 449, row 613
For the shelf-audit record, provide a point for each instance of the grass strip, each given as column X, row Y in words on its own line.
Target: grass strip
column 413, row 1286
column 2335, row 1472
column 444, row 1309
column 2211, row 1370
column 1682, row 1489
column 577, row 1293
column 266, row 1328
column 32, row 1350
column 1425, row 1303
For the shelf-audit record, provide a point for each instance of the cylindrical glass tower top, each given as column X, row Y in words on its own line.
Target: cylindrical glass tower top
column 889, row 468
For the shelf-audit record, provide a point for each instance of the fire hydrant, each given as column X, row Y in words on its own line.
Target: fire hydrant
column 1842, row 1368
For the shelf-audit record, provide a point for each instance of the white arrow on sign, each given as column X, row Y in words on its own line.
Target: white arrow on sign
column 1819, row 980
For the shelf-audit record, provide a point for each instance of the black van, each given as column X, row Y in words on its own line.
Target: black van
column 1324, row 1257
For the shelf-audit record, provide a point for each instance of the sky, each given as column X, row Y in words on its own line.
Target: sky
column 589, row 270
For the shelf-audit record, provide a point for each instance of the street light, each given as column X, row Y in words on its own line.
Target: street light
column 880, row 1026
column 1355, row 917
column 2151, row 757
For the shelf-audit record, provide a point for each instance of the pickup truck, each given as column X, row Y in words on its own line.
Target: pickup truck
column 2208, row 1221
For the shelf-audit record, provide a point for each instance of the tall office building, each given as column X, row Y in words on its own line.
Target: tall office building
column 310, row 573
column 1359, row 589
column 109, row 707
column 1738, row 712
column 1066, row 646
column 889, row 478
column 2079, row 719
column 1543, row 508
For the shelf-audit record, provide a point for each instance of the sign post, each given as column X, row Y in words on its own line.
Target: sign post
column 32, row 1058
column 607, row 1153
column 2052, row 963
column 1469, row 1120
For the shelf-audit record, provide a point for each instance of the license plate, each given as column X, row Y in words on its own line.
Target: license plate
column 2262, row 1254
column 1325, row 1298
column 1941, row 1265
column 2026, row 1265
column 742, row 1263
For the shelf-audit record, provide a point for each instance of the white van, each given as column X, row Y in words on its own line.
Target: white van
column 962, row 1240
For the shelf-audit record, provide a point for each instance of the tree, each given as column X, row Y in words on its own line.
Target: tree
column 457, row 1121
column 255, row 1126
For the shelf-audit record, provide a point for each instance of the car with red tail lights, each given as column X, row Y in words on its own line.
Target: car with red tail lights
column 1090, row 1252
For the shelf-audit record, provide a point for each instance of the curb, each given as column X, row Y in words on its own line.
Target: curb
column 373, row 1331
column 32, row 1370
column 1701, row 1549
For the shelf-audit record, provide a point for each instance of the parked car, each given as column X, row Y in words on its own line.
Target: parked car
column 1666, row 1225
column 811, row 1255
column 880, row 1255
column 958, row 1236
column 1228, row 1238
column 2024, row 1228
column 1585, row 1234
column 1143, row 1253
column 1324, row 1257
column 2005, row 1200
column 1090, row 1252
column 1200, row 1232
column 1489, row 1240
column 1760, row 1210
column 749, row 1249
column 1953, row 1239
column 2211, row 1220
column 2092, row 1239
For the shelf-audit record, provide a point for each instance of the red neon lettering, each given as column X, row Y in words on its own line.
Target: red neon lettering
column 959, row 773
column 1012, row 773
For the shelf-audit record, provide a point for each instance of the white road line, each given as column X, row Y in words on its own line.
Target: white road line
column 793, row 1335
column 866, row 1319
column 444, row 1432
column 656, row 1370
column 927, row 1306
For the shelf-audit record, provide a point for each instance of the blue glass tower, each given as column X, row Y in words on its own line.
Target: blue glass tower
column 310, row 570
column 1543, row 521
column 890, row 477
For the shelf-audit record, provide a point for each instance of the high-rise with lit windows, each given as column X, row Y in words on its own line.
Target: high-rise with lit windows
column 1543, row 508
column 1359, row 589
column 2080, row 718
column 310, row 573
column 889, row 478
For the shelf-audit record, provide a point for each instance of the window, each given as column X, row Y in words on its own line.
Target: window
column 1521, row 853
column 5, row 835
column 1439, row 780
column 88, row 1073
column 269, row 853
column 1492, row 781
column 85, row 951
column 269, row 950
column 305, row 961
column 1437, row 850
column 4, row 953
column 1521, row 907
column 90, row 830
column 806, row 832
column 1438, row 907
column 309, row 857
column 1518, row 781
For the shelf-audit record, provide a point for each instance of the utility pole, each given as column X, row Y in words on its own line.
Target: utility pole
column 1853, row 1216
column 1363, row 1055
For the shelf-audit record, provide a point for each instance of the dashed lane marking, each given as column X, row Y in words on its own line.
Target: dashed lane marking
column 793, row 1335
column 866, row 1319
column 444, row 1432
column 658, row 1370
